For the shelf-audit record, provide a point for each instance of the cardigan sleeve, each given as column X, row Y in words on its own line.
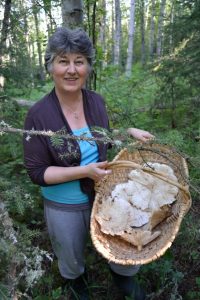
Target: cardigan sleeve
column 36, row 154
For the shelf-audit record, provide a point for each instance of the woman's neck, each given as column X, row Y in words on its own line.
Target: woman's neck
column 69, row 99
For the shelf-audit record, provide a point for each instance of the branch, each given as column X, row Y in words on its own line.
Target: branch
column 105, row 139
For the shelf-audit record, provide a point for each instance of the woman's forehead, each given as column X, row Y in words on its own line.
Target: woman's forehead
column 71, row 55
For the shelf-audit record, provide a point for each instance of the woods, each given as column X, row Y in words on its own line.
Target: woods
column 145, row 27
column 147, row 67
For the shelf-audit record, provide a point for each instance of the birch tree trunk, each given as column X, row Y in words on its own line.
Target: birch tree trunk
column 160, row 28
column 72, row 13
column 131, row 33
column 142, row 28
column 5, row 27
column 117, row 37
column 152, row 31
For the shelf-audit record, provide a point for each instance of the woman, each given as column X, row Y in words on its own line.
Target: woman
column 66, row 169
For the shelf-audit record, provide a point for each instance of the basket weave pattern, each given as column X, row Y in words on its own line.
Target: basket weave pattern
column 114, row 248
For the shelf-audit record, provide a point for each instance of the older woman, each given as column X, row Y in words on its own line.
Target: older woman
column 66, row 169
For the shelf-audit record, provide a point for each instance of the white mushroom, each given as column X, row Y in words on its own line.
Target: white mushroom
column 135, row 207
column 112, row 216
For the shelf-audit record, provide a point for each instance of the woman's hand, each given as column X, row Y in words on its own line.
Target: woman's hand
column 96, row 171
column 139, row 134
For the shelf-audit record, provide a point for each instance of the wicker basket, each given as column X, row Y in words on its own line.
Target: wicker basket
column 113, row 248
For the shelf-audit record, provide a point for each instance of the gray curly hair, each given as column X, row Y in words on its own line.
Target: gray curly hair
column 66, row 40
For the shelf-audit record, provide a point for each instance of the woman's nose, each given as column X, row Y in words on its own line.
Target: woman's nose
column 71, row 68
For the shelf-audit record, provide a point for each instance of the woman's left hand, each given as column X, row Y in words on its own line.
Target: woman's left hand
column 140, row 134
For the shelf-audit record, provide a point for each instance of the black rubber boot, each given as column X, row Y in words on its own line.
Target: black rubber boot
column 128, row 287
column 77, row 289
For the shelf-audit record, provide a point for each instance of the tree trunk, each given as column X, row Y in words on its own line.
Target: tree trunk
column 48, row 16
column 72, row 13
column 88, row 14
column 94, row 23
column 28, row 42
column 171, row 30
column 160, row 27
column 152, row 31
column 102, row 36
column 113, row 29
column 142, row 27
column 39, row 48
column 117, row 37
column 129, row 61
column 90, row 27
column 5, row 27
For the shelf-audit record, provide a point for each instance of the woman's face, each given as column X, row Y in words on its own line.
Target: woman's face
column 70, row 72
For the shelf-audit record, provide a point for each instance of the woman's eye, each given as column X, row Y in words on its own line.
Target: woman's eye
column 79, row 62
column 63, row 61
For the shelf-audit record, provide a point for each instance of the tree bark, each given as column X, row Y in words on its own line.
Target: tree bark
column 87, row 9
column 102, row 36
column 94, row 23
column 113, row 29
column 5, row 28
column 152, row 31
column 171, row 30
column 28, row 42
column 142, row 28
column 160, row 27
column 39, row 48
column 48, row 16
column 72, row 13
column 129, row 61
column 117, row 37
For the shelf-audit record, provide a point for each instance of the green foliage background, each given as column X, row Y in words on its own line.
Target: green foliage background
column 163, row 98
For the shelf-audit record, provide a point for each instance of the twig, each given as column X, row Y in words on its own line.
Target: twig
column 8, row 129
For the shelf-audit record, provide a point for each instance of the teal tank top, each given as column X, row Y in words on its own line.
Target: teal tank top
column 70, row 192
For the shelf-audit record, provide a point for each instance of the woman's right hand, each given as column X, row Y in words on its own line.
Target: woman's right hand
column 97, row 171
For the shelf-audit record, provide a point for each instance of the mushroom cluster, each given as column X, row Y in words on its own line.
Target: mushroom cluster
column 134, row 208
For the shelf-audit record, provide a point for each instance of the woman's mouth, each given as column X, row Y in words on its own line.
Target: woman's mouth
column 71, row 79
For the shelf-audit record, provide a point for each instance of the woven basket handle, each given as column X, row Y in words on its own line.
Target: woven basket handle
column 160, row 175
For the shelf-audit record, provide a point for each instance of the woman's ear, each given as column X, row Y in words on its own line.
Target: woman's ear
column 50, row 72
